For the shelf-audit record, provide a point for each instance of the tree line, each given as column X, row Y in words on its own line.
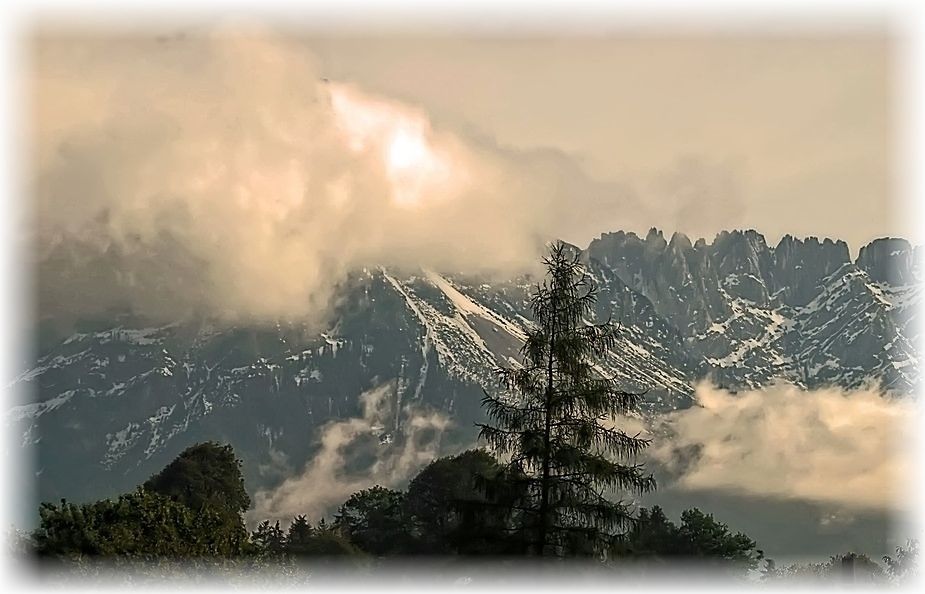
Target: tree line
column 193, row 511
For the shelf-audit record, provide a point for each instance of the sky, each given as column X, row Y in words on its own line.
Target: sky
column 222, row 157
column 786, row 134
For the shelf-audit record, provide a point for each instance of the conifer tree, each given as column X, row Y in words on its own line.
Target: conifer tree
column 269, row 539
column 299, row 536
column 552, row 418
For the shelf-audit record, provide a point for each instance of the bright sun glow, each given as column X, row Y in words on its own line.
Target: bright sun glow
column 417, row 171
column 407, row 150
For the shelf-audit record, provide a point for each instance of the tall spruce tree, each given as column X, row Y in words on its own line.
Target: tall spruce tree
column 552, row 419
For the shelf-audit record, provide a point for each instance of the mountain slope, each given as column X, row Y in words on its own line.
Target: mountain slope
column 114, row 404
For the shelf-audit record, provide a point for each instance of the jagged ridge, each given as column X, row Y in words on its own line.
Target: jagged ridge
column 113, row 405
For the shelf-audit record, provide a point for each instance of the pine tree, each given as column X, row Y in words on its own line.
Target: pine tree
column 299, row 536
column 552, row 417
column 269, row 539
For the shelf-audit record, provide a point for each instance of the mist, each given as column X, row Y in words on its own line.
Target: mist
column 847, row 449
column 842, row 455
column 338, row 470
column 223, row 173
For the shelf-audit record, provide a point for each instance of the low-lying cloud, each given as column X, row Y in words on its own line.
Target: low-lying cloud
column 337, row 470
column 847, row 449
column 853, row 448
column 222, row 172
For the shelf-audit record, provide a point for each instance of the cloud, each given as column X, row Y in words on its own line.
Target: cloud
column 355, row 454
column 850, row 448
column 222, row 172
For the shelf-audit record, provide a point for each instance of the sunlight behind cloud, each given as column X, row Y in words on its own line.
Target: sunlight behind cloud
column 229, row 155
column 418, row 170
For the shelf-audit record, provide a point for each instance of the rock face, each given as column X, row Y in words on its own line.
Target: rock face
column 890, row 260
column 801, row 266
column 115, row 402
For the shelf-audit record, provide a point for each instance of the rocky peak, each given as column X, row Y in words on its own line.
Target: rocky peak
column 743, row 262
column 888, row 259
column 801, row 265
column 655, row 240
column 677, row 277
column 571, row 250
column 741, row 251
column 611, row 247
column 680, row 243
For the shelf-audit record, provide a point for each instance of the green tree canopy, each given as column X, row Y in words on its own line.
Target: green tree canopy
column 204, row 474
column 142, row 525
column 190, row 509
column 325, row 542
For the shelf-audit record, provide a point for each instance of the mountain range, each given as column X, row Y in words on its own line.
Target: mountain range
column 115, row 401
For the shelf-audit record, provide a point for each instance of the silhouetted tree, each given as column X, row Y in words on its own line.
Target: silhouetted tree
column 552, row 420
column 704, row 538
column 699, row 537
column 374, row 520
column 325, row 542
column 450, row 512
column 299, row 536
column 653, row 535
column 269, row 539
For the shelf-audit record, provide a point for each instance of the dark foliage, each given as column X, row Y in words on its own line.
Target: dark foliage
column 204, row 474
column 300, row 542
column 190, row 509
column 699, row 538
column 375, row 521
column 450, row 511
column 141, row 525
column 269, row 540
column 300, row 535
column 325, row 543
column 554, row 422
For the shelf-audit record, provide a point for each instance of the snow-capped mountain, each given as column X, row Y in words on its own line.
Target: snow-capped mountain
column 116, row 402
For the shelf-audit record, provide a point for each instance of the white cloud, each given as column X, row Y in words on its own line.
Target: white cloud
column 851, row 448
column 229, row 175
column 327, row 480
